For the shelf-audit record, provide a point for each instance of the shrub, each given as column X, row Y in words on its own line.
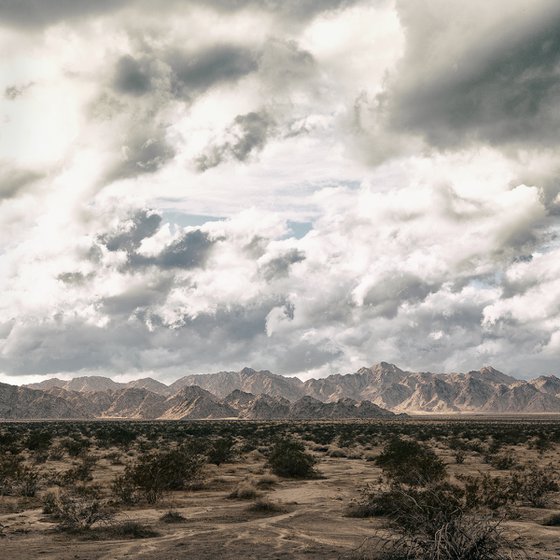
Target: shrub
column 38, row 441
column 436, row 503
column 49, row 503
column 124, row 489
column 488, row 492
column 10, row 470
column 552, row 520
column 501, row 461
column 81, row 471
column 262, row 505
column 434, row 523
column 409, row 462
column 80, row 511
column 172, row 517
column 221, row 451
column 131, row 530
column 288, row 458
column 465, row 537
column 245, row 490
column 460, row 457
column 534, row 485
column 27, row 482
column 155, row 473
column 266, row 481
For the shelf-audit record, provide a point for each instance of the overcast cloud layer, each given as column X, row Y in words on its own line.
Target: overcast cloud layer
column 302, row 186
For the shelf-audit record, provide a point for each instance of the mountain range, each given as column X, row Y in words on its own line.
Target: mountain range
column 372, row 392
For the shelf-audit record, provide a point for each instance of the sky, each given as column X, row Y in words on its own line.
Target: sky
column 303, row 186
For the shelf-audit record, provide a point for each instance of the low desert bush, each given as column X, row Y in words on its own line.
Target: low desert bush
column 49, row 503
column 409, row 462
column 131, row 530
column 221, row 451
column 27, row 482
column 80, row 510
column 172, row 517
column 501, row 461
column 552, row 520
column 155, row 473
column 10, row 470
column 262, row 505
column 534, row 485
column 245, row 490
column 434, row 523
column 460, row 457
column 266, row 481
column 288, row 458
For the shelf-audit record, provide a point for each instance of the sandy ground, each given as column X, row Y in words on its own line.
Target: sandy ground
column 312, row 524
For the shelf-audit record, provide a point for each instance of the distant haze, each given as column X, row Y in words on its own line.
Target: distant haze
column 307, row 187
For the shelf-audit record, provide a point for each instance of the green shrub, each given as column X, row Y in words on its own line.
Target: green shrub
column 155, row 473
column 288, row 458
column 221, row 451
column 409, row 462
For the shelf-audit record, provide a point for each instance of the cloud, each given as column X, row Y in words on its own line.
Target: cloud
column 15, row 91
column 29, row 13
column 141, row 225
column 196, row 72
column 132, row 77
column 280, row 266
column 14, row 181
column 246, row 136
column 416, row 141
column 189, row 251
column 476, row 73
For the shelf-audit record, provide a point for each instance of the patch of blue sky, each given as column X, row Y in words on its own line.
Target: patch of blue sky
column 182, row 219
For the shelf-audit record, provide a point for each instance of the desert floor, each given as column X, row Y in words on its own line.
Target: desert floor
column 311, row 525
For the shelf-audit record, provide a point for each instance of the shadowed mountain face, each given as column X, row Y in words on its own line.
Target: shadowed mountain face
column 367, row 393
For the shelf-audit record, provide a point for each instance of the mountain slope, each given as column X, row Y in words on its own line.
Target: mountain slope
column 23, row 403
column 263, row 395
column 195, row 403
column 248, row 380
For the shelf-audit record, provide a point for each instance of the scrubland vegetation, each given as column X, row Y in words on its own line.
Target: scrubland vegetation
column 392, row 490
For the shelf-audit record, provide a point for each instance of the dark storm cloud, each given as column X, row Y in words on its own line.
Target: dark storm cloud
column 230, row 335
column 247, row 135
column 136, row 298
column 146, row 151
column 499, row 85
column 14, row 181
column 74, row 278
column 188, row 252
column 132, row 76
column 40, row 13
column 196, row 72
column 280, row 266
column 143, row 224
column 387, row 296
column 301, row 10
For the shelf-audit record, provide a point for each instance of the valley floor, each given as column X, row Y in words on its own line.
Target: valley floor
column 311, row 524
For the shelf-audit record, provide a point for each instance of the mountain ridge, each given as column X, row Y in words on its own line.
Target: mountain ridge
column 384, row 385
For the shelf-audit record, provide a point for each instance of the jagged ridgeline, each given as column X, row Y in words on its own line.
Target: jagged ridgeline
column 377, row 392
